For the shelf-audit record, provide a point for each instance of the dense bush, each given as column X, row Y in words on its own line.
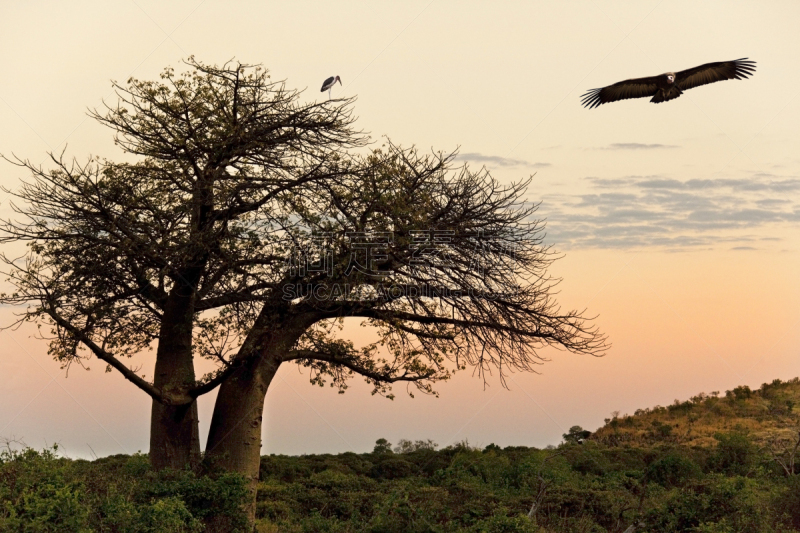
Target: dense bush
column 42, row 492
column 735, row 454
column 702, row 466
column 673, row 470
column 590, row 487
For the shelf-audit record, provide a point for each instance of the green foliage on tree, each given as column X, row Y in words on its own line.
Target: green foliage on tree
column 576, row 434
column 735, row 454
column 382, row 446
column 407, row 446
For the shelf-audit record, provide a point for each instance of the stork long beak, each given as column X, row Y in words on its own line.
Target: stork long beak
column 340, row 81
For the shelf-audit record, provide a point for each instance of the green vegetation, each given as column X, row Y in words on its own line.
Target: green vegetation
column 767, row 415
column 41, row 492
column 712, row 464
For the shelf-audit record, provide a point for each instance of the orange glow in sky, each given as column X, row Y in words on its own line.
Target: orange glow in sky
column 679, row 222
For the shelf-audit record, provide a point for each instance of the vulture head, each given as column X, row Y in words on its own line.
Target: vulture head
column 670, row 77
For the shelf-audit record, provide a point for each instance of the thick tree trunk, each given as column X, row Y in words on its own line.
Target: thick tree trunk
column 174, row 433
column 174, row 436
column 234, row 438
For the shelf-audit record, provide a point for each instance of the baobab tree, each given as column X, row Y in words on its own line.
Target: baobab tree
column 248, row 224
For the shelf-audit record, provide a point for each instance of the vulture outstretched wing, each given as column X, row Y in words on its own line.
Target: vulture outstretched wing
column 623, row 90
column 738, row 69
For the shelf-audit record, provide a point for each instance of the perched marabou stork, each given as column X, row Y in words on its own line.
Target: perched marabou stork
column 329, row 83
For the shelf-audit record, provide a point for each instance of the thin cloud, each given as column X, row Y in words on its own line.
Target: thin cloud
column 498, row 160
column 745, row 184
column 657, row 211
column 639, row 146
column 619, row 182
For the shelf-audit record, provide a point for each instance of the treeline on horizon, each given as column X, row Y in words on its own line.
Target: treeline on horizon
column 711, row 464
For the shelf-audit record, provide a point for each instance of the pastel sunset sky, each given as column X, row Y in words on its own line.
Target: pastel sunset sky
column 679, row 223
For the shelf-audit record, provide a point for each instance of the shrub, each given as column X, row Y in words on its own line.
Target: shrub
column 577, row 434
column 661, row 430
column 167, row 515
column 42, row 493
column 734, row 454
column 407, row 446
column 382, row 446
column 673, row 470
column 393, row 469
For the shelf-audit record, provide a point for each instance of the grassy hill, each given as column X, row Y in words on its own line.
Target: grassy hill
column 712, row 464
column 709, row 464
column 768, row 414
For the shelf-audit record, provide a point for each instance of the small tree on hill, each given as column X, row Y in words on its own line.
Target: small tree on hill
column 576, row 434
column 382, row 446
column 407, row 446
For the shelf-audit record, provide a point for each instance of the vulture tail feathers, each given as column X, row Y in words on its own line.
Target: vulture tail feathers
column 665, row 95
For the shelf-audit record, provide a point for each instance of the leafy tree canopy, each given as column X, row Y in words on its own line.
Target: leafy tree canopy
column 248, row 212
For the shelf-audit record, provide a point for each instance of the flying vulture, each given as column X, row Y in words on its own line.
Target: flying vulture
column 670, row 84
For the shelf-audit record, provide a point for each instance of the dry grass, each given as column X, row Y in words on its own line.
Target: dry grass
column 766, row 414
